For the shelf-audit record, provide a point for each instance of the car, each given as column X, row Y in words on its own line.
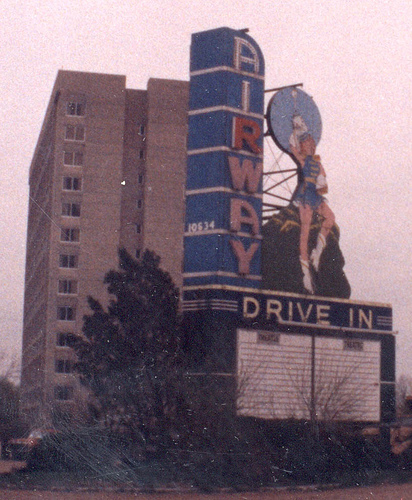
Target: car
column 19, row 448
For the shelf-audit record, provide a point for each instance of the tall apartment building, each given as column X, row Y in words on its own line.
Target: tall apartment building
column 108, row 171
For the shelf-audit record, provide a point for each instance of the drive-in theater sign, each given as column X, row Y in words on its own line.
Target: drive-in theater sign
column 294, row 355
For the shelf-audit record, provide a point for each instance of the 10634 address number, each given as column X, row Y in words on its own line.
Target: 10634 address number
column 196, row 227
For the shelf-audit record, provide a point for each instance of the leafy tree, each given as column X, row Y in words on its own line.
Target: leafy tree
column 129, row 355
column 10, row 367
column 9, row 410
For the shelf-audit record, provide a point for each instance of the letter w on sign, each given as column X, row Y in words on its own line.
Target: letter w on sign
column 245, row 176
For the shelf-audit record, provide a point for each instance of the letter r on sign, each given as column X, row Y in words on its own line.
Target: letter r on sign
column 245, row 134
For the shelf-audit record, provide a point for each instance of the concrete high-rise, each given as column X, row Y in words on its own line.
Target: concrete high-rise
column 108, row 171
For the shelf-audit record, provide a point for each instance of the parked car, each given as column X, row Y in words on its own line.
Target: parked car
column 400, row 434
column 19, row 448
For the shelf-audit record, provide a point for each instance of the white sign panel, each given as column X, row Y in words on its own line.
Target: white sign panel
column 275, row 377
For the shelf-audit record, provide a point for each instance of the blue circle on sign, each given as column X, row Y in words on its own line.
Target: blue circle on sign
column 292, row 115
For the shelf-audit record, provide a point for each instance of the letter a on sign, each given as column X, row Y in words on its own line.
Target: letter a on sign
column 248, row 217
column 242, row 46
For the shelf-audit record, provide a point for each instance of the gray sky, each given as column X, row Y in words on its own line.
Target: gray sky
column 353, row 56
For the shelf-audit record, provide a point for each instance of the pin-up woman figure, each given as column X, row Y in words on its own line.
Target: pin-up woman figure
column 309, row 198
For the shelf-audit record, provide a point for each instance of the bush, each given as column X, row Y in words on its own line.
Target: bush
column 81, row 449
column 331, row 454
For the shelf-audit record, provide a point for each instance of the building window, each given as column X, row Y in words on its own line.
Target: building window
column 63, row 392
column 68, row 261
column 73, row 158
column 138, row 228
column 142, row 130
column 139, row 204
column 68, row 286
column 72, row 183
column 353, row 345
column 141, row 154
column 140, row 179
column 63, row 366
column 71, row 209
column 74, row 133
column 65, row 339
column 70, row 234
column 66, row 313
column 75, row 108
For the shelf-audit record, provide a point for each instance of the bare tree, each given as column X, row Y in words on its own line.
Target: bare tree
column 403, row 392
column 338, row 395
column 319, row 387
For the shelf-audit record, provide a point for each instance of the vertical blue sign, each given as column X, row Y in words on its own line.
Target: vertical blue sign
column 225, row 160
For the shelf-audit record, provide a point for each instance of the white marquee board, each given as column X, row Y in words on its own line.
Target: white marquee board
column 274, row 376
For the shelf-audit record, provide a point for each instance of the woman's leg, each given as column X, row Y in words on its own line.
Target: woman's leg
column 305, row 214
column 328, row 220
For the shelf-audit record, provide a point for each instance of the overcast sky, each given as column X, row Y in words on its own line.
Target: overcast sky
column 353, row 56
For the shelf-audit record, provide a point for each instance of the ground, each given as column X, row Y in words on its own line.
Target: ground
column 381, row 492
column 388, row 492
